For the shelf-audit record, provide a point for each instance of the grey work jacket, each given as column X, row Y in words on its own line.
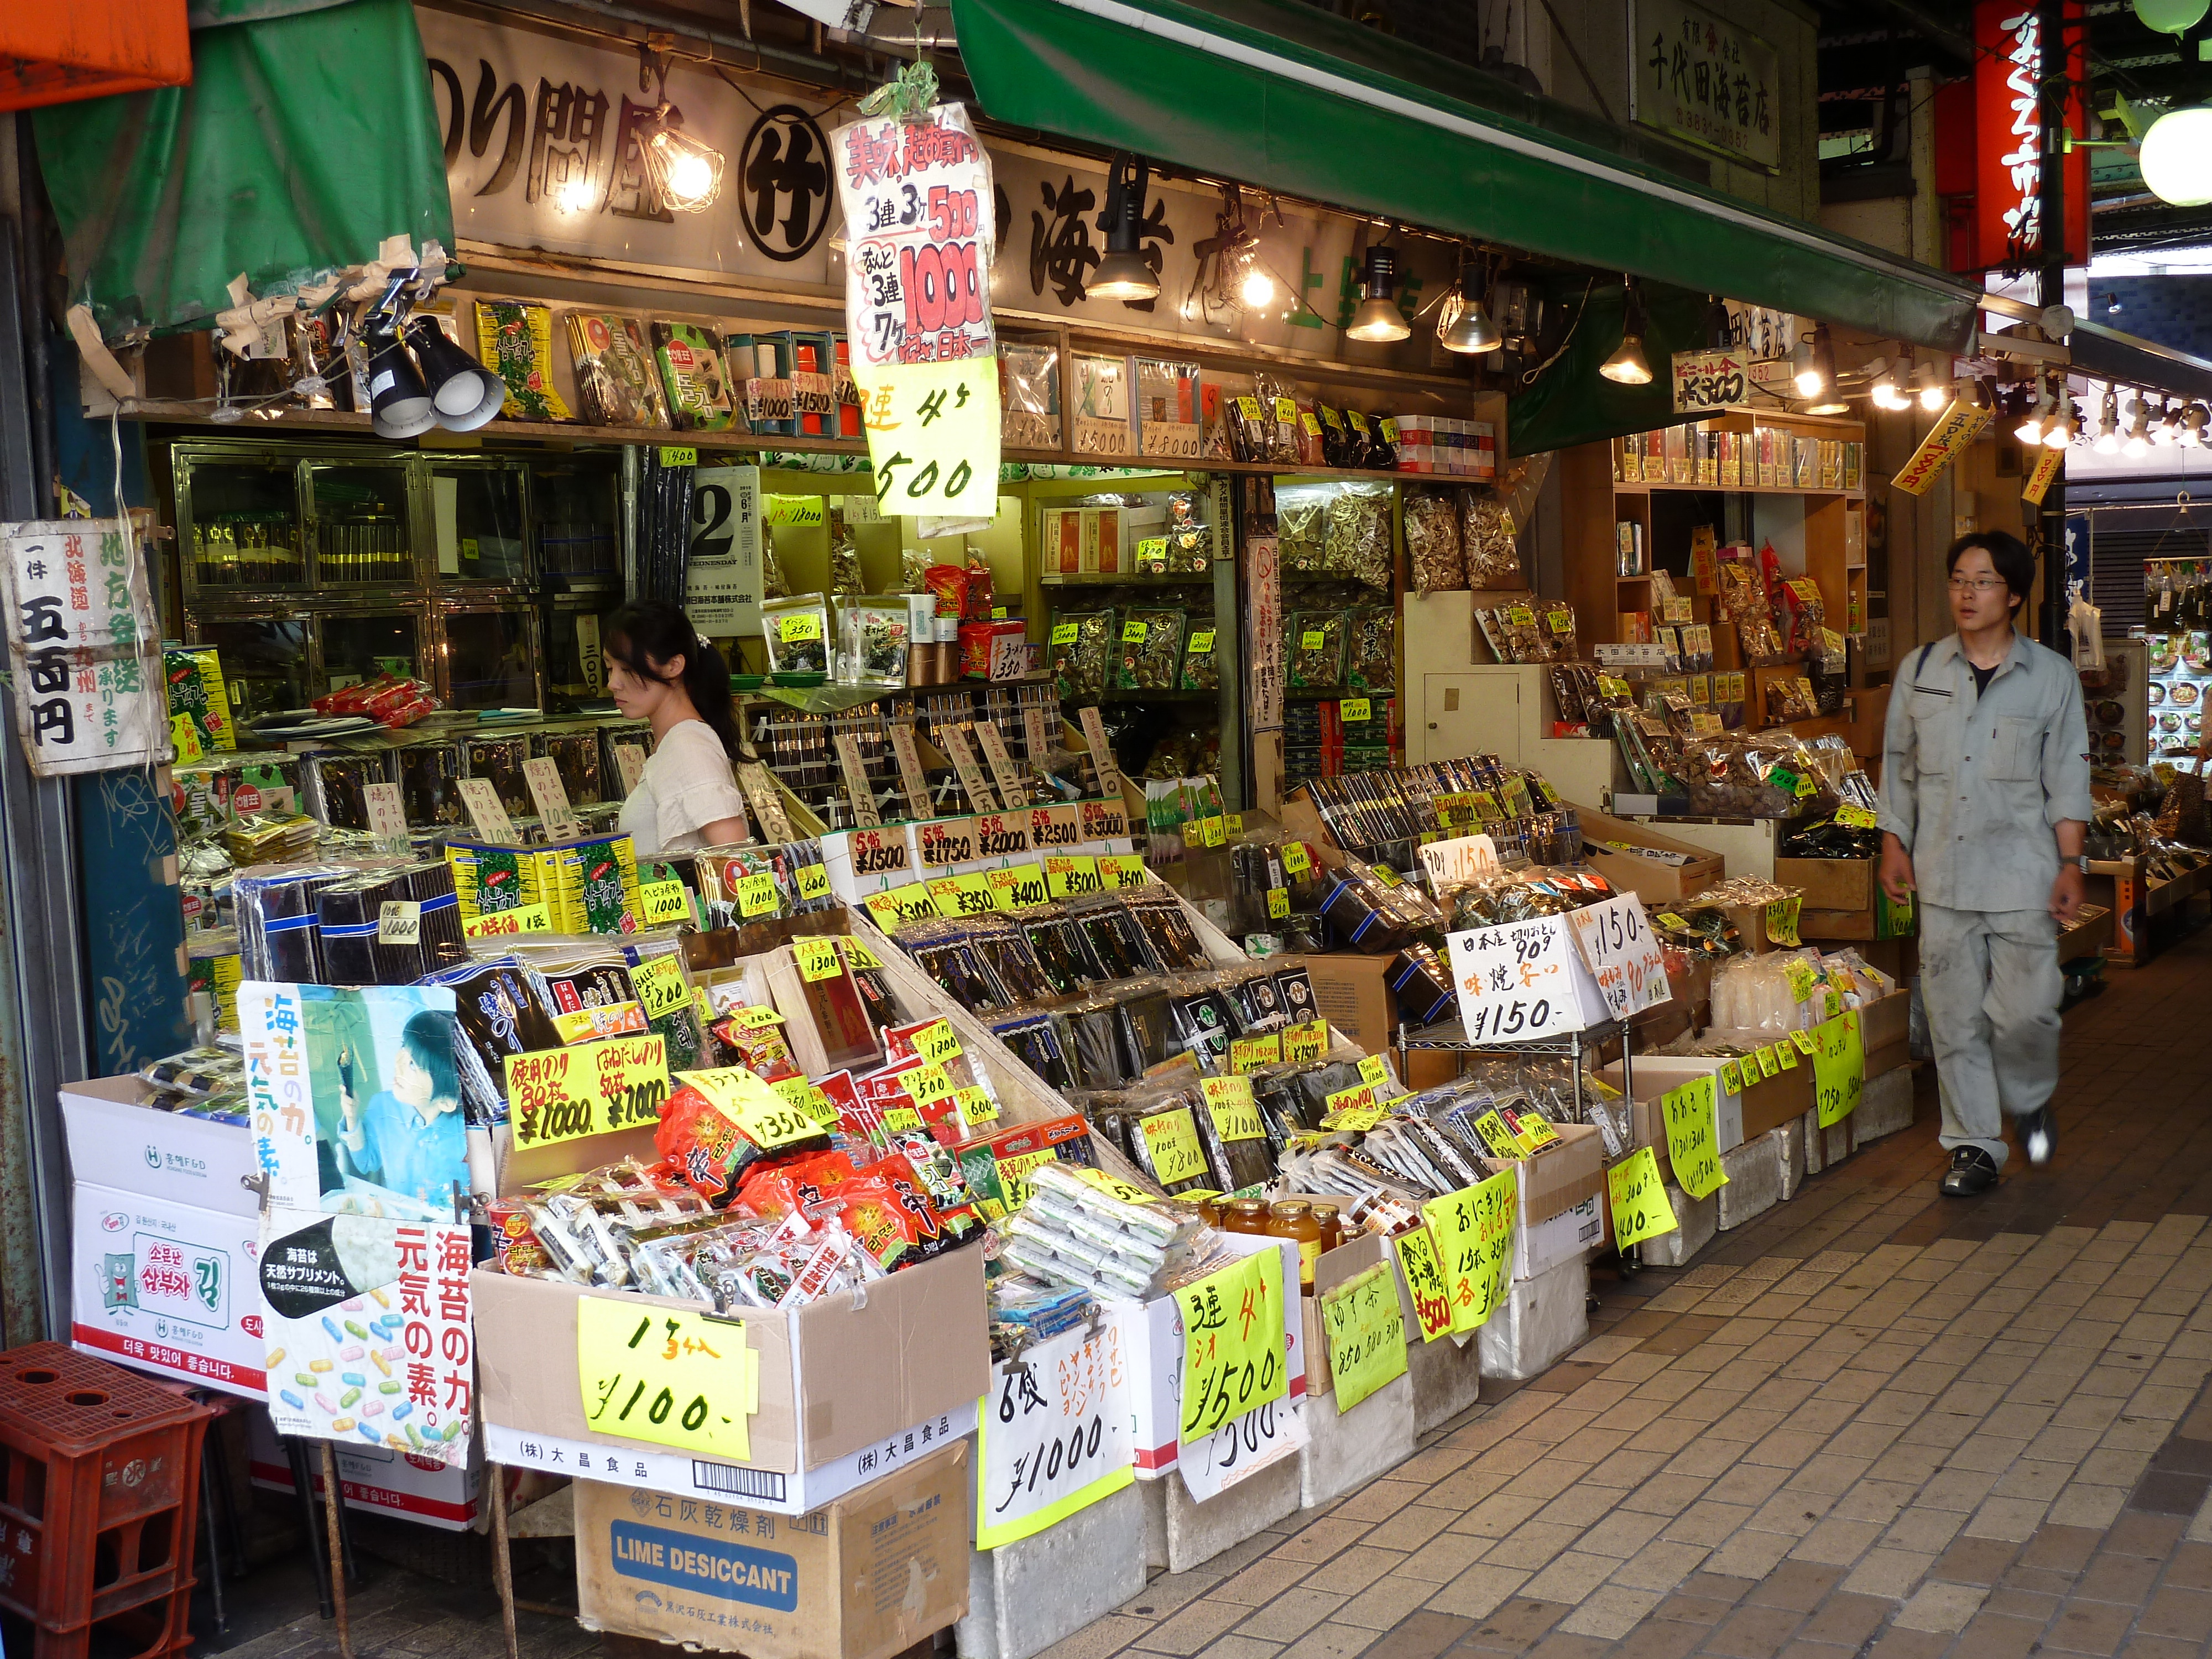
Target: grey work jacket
column 1972, row 785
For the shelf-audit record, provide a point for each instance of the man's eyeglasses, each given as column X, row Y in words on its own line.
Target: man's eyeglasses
column 1976, row 584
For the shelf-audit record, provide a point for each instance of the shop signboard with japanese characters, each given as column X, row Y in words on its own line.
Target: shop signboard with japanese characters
column 1057, row 1434
column 541, row 146
column 917, row 201
column 1699, row 78
column 86, row 676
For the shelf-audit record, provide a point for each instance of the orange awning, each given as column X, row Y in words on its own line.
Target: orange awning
column 58, row 51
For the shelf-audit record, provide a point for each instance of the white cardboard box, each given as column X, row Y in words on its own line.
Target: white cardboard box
column 167, row 1288
column 116, row 1143
column 1567, row 1236
column 376, row 1479
column 1658, row 1075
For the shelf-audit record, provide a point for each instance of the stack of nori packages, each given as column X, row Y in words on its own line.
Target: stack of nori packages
column 335, row 786
column 503, row 1008
column 279, row 938
column 576, row 755
column 430, row 776
column 499, row 757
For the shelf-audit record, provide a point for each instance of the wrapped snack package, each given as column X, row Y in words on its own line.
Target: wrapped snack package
column 515, row 342
column 615, row 375
column 1753, row 775
column 1432, row 543
column 798, row 633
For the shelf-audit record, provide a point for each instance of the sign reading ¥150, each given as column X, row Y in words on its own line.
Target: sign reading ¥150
column 919, row 214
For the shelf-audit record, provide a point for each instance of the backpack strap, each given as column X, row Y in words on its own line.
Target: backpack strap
column 1922, row 663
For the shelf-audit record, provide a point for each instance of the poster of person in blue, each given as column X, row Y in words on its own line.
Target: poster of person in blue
column 391, row 1138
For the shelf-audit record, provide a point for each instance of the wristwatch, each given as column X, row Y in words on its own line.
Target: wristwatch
column 2082, row 864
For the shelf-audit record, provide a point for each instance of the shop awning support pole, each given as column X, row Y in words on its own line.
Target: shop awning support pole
column 2050, row 214
column 503, row 1560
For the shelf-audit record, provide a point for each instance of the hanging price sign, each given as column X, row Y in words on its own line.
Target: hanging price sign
column 1838, row 1067
column 1233, row 1342
column 1425, row 1279
column 1693, row 1136
column 1054, row 1435
column 1623, row 955
column 681, row 1379
column 917, row 200
column 1473, row 1231
column 1640, row 1209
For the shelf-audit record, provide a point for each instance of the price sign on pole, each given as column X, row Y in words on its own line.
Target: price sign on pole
column 1711, row 380
column 917, row 200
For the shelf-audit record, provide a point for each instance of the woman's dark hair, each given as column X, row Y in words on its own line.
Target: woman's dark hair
column 649, row 632
column 2007, row 553
column 428, row 1038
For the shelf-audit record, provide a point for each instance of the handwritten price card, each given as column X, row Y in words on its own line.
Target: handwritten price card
column 1693, row 1136
column 676, row 1379
column 1366, row 1334
column 1232, row 1357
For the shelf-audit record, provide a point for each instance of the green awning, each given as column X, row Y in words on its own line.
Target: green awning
column 1283, row 95
column 307, row 136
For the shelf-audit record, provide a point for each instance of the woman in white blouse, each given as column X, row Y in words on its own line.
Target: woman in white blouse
column 661, row 671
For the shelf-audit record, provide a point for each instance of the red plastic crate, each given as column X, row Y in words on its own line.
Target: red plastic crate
column 100, row 1475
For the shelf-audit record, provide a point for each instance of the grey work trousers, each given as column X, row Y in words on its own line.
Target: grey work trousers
column 1991, row 984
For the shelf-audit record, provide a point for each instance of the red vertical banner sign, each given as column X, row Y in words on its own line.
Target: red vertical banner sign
column 2009, row 66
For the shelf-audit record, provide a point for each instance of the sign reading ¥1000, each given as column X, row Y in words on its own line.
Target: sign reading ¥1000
column 919, row 216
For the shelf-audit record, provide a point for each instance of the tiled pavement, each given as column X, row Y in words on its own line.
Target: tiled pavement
column 1871, row 1422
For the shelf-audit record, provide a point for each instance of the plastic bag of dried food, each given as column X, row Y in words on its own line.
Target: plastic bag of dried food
column 1081, row 646
column 514, row 339
column 845, row 575
column 1242, row 425
column 1313, row 647
column 1301, row 532
column 1201, row 660
column 1374, row 655
column 1559, row 631
column 1279, row 418
column 1753, row 775
column 1493, row 559
column 1743, row 600
column 1382, row 435
column 1151, row 650
column 1788, row 699
column 1432, row 545
column 797, row 634
column 1358, row 541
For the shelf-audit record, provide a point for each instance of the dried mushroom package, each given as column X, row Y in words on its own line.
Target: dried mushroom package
column 1493, row 558
column 615, row 375
column 871, row 641
column 1313, row 645
column 1374, row 655
column 1201, row 658
column 1743, row 598
column 1278, row 418
column 1356, row 541
column 1302, row 532
column 1081, row 649
column 1151, row 649
column 1432, row 543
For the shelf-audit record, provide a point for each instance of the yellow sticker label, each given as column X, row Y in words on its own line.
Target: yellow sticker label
column 1278, row 903
column 1236, row 1114
column 660, row 986
column 678, row 455
column 1803, row 1042
column 1694, row 1138
column 1799, row 972
column 756, row 894
column 1352, row 710
column 500, row 924
column 1234, row 1345
column 936, row 1043
column 1213, row 832
column 968, row 894
column 671, row 1377
column 1133, row 633
column 1424, row 1280
column 1365, row 1327
column 1250, row 1053
column 1118, row 870
column 1064, row 633
column 798, row 625
column 813, row 881
column 1068, row 875
column 1473, row 1231
column 1856, row 818
column 1731, row 1077
column 911, row 903
column 1640, row 1209
column 1782, row 922
column 1018, row 888
column 1172, row 1140
column 1296, row 862
column 1312, row 640
column 1305, row 1042
column 977, row 1107
column 585, row 1088
column 767, row 1118
column 817, row 958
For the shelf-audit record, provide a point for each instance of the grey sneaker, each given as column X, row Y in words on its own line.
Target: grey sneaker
column 2037, row 1133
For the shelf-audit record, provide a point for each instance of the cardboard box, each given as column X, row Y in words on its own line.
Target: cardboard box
column 376, row 1480
column 838, row 1377
column 1653, row 882
column 116, row 1143
column 1353, row 995
column 1760, row 1107
column 167, row 1288
column 1829, row 883
column 1539, row 1247
column 870, row 1576
column 1346, row 1261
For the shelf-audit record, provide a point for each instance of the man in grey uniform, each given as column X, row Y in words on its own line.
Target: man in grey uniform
column 1984, row 797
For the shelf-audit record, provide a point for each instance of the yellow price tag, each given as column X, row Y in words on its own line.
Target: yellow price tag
column 660, row 986
column 1233, row 1353
column 585, row 1088
column 977, row 1107
column 936, row 1043
column 1769, row 1063
column 1114, row 1187
column 1640, row 1209
column 813, row 881
column 678, row 455
column 1669, row 919
column 678, row 1378
column 1118, row 870
column 1172, row 1138
column 911, row 903
column 665, row 903
column 1856, row 818
column 1236, row 1114
column 1473, row 1230
column 1803, row 1042
column 1305, row 1042
column 1693, row 1136
column 798, row 625
column 1782, row 922
column 1019, row 887
column 1278, row 903
column 1353, row 710
column 1312, row 640
column 500, row 924
column 859, row 954
column 1838, row 1067
column 768, row 1118
column 1374, row 1070
column 1250, row 1053
column 817, row 958
column 1064, row 633
column 1785, row 1055
column 1200, row 643
column 1365, row 1330
column 1067, row 875
column 1425, row 1279
column 968, row 894
column 1133, row 633
column 1497, row 1138
column 933, row 436
column 1731, row 1077
column 1296, row 862
column 1212, row 831
column 756, row 894
column 926, row 1084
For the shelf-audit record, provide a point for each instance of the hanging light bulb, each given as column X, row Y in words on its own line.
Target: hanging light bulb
column 1462, row 324
column 2193, row 420
column 2059, row 431
column 2108, row 421
column 686, row 172
column 1378, row 320
column 2138, row 439
column 1627, row 365
column 1257, row 291
column 2163, row 430
column 2030, row 429
column 1885, row 392
column 1933, row 392
column 1812, row 364
column 1123, row 273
